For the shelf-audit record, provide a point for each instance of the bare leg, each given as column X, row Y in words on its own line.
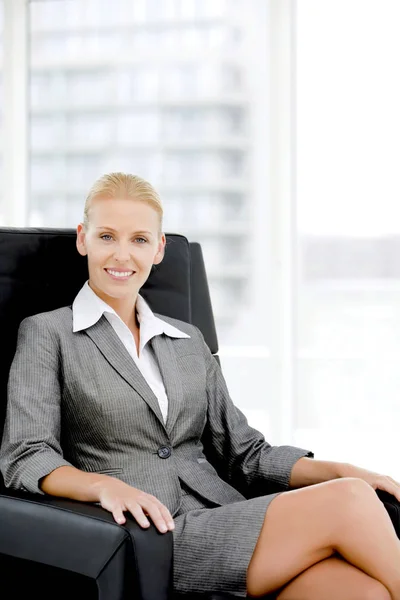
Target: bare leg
column 308, row 525
column 333, row 579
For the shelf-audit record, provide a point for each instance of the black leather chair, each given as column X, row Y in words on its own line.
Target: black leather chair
column 49, row 544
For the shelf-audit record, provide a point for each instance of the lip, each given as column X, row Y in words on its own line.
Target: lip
column 114, row 278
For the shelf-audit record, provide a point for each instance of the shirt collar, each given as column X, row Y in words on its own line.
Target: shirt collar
column 88, row 308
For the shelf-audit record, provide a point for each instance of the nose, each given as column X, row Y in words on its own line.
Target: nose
column 122, row 253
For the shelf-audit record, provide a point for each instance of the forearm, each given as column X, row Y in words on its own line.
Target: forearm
column 69, row 482
column 307, row 471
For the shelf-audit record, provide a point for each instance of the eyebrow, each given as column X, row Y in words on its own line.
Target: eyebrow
column 133, row 232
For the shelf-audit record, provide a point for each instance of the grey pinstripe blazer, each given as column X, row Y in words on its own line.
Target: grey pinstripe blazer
column 79, row 399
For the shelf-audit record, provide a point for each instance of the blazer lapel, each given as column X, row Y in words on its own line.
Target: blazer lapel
column 113, row 350
column 166, row 358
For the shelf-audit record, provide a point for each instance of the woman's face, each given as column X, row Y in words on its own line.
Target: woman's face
column 122, row 242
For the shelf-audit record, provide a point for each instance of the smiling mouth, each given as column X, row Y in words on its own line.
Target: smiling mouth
column 119, row 274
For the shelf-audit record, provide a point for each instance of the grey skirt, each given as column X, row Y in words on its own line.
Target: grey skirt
column 213, row 545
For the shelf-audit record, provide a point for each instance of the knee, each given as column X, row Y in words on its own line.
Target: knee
column 351, row 489
column 349, row 498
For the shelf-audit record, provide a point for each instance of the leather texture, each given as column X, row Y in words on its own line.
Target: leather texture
column 126, row 561
column 392, row 506
column 61, row 537
column 201, row 308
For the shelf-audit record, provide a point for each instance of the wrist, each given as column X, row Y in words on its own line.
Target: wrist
column 97, row 485
column 345, row 470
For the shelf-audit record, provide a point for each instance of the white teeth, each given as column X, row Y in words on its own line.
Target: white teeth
column 119, row 273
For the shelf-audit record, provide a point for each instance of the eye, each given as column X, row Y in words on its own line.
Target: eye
column 106, row 237
column 141, row 240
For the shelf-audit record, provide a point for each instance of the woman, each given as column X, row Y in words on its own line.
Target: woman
column 110, row 403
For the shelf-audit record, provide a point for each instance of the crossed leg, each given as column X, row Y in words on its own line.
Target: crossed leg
column 304, row 531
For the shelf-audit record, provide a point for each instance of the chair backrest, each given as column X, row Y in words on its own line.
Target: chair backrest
column 40, row 270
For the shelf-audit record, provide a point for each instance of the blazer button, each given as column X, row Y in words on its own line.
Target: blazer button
column 164, row 452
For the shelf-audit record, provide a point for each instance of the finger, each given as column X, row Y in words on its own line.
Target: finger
column 119, row 515
column 163, row 509
column 158, row 519
column 165, row 514
column 154, row 509
column 167, row 517
column 137, row 512
column 394, row 481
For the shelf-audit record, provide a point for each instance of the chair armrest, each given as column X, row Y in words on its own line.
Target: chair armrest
column 84, row 538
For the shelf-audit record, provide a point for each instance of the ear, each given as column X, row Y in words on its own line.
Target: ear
column 160, row 251
column 81, row 239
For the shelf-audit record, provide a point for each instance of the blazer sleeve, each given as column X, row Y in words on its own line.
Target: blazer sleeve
column 240, row 453
column 31, row 447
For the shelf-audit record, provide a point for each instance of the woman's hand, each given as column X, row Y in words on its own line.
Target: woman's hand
column 116, row 497
column 375, row 480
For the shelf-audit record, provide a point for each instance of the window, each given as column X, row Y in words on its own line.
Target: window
column 183, row 92
column 348, row 190
column 170, row 90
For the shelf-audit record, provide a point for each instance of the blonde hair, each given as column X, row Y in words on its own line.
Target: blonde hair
column 123, row 185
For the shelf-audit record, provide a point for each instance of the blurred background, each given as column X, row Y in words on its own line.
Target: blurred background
column 271, row 129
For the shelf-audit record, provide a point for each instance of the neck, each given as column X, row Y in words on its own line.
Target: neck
column 127, row 315
column 124, row 307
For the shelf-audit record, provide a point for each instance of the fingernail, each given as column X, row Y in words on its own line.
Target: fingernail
column 163, row 528
column 171, row 525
